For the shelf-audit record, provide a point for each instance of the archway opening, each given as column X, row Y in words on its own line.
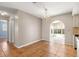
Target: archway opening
column 57, row 34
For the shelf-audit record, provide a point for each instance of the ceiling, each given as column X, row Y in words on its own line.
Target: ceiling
column 37, row 9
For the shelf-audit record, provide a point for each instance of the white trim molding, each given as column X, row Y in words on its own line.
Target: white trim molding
column 27, row 44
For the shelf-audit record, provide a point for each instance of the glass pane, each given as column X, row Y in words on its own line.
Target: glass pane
column 4, row 27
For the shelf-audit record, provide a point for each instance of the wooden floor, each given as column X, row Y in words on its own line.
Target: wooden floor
column 39, row 49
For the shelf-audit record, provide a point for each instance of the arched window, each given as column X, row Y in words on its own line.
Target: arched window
column 57, row 27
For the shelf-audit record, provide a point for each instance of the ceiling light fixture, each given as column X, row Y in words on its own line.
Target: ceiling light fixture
column 45, row 16
column 3, row 13
column 43, row 7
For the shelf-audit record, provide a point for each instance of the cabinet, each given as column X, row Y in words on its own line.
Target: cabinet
column 76, row 30
column 76, row 21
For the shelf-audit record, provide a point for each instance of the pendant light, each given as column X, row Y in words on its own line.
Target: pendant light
column 40, row 5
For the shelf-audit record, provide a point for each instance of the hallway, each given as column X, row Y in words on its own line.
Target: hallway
column 39, row 49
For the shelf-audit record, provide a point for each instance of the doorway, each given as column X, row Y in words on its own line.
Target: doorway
column 57, row 34
column 7, row 29
column 3, row 29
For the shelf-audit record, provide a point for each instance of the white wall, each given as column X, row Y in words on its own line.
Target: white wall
column 28, row 29
column 66, row 19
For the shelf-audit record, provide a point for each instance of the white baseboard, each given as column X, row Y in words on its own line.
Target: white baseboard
column 68, row 44
column 45, row 39
column 27, row 44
